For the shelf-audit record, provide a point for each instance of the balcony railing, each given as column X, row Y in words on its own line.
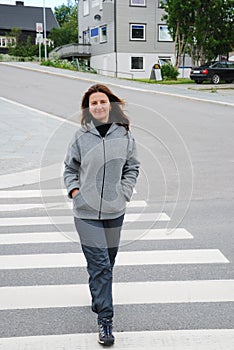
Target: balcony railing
column 71, row 50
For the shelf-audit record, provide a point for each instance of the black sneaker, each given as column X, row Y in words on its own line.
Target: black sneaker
column 105, row 332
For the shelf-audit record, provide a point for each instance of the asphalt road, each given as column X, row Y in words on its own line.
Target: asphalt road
column 187, row 165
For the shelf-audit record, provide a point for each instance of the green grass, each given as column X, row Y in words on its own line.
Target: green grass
column 165, row 82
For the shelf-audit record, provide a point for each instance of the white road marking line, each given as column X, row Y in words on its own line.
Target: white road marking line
column 146, row 217
column 38, row 237
column 158, row 257
column 156, row 234
column 27, row 177
column 202, row 339
column 33, row 193
column 56, row 220
column 56, row 205
column 124, row 294
column 53, row 116
column 66, row 237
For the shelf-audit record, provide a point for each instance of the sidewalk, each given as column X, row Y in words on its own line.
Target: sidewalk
column 25, row 134
column 224, row 92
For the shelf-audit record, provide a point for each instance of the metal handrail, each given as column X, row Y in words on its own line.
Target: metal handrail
column 115, row 74
column 71, row 49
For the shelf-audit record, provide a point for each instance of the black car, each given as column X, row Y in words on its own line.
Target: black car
column 213, row 71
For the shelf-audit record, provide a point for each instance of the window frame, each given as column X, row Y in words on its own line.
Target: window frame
column 161, row 40
column 87, row 8
column 137, row 69
column 100, row 31
column 86, row 36
column 131, row 28
column 137, row 5
column 159, row 3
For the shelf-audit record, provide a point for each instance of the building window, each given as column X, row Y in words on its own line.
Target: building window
column 85, row 7
column 137, row 31
column 86, row 37
column 161, row 3
column 7, row 41
column 137, row 2
column 103, row 34
column 163, row 33
column 164, row 60
column 3, row 42
column 137, row 63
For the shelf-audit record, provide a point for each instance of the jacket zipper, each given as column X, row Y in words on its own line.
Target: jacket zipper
column 103, row 179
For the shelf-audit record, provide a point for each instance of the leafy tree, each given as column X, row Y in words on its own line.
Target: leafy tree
column 66, row 16
column 204, row 29
column 180, row 17
column 213, row 30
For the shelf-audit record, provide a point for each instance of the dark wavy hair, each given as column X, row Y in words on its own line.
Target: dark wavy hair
column 117, row 114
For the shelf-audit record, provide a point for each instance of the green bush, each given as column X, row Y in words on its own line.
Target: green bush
column 169, row 72
column 64, row 64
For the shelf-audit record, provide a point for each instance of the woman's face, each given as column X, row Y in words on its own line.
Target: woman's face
column 99, row 106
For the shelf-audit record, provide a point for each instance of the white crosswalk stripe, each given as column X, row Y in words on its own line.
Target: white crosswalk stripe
column 45, row 220
column 51, row 296
column 123, row 293
column 47, row 205
column 190, row 256
column 210, row 339
column 66, row 237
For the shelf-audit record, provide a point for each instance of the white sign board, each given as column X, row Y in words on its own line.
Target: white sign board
column 39, row 38
column 39, row 27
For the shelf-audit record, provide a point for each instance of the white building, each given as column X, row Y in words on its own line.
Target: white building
column 127, row 37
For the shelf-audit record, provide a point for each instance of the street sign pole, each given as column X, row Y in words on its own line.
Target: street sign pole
column 39, row 37
column 40, row 51
column 44, row 20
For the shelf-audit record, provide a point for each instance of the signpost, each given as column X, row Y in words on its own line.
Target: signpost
column 39, row 37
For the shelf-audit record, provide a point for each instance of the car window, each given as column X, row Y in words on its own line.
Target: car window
column 220, row 65
column 230, row 64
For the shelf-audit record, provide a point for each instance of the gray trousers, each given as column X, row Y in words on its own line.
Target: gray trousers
column 100, row 242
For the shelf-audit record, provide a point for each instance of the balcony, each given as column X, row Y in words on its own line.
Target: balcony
column 71, row 51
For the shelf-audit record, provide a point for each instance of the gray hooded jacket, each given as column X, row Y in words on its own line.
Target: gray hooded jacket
column 104, row 170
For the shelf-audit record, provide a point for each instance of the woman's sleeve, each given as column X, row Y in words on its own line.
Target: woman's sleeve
column 72, row 166
column 130, row 170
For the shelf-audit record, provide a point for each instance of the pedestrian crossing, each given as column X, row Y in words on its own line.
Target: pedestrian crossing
column 176, row 340
column 28, row 300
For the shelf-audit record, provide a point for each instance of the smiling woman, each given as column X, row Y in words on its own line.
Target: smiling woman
column 101, row 169
column 99, row 106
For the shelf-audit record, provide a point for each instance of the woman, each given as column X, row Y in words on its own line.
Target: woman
column 101, row 168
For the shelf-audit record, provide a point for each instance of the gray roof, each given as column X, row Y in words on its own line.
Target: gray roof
column 25, row 17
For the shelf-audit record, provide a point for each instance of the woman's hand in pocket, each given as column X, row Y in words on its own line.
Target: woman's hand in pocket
column 74, row 192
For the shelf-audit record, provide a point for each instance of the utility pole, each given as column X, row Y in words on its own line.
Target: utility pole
column 115, row 39
column 44, row 20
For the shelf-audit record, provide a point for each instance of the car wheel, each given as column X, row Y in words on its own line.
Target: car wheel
column 198, row 81
column 215, row 79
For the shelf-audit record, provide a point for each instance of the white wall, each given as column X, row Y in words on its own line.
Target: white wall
column 106, row 64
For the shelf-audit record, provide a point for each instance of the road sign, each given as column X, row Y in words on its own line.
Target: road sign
column 39, row 38
column 39, row 27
